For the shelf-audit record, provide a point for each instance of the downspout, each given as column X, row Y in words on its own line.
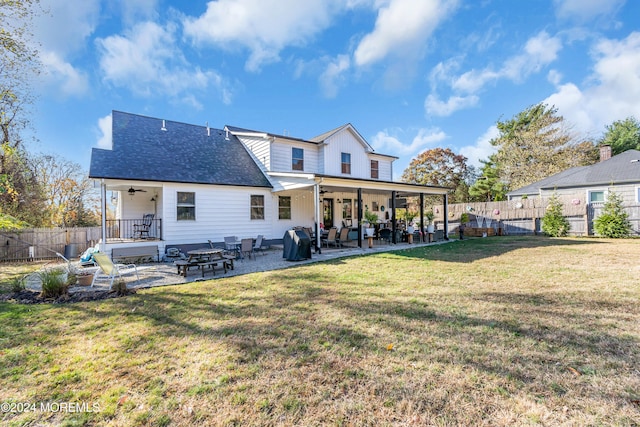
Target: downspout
column 103, row 209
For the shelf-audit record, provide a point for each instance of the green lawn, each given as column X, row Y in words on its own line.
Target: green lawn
column 497, row 331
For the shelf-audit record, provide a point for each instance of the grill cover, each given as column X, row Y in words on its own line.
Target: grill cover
column 297, row 245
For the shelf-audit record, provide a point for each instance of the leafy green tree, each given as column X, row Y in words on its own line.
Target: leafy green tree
column 488, row 187
column 554, row 223
column 622, row 135
column 535, row 144
column 614, row 220
column 441, row 167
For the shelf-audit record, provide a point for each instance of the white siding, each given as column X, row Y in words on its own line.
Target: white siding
column 345, row 142
column 281, row 157
column 385, row 170
column 220, row 211
column 301, row 212
column 259, row 147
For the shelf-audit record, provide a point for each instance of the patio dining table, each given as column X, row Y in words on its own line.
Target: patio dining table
column 203, row 258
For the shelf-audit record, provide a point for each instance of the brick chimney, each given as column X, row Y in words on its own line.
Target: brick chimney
column 605, row 152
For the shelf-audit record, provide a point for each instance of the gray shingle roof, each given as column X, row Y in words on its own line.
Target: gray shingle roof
column 618, row 169
column 181, row 153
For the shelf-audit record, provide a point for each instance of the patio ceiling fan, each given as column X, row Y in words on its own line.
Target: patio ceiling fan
column 132, row 191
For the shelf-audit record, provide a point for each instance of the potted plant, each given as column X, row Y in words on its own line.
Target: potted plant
column 369, row 219
column 429, row 216
column 84, row 277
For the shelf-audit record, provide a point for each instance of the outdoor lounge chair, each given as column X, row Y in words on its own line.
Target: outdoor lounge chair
column 111, row 270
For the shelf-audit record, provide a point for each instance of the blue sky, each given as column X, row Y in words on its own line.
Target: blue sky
column 408, row 74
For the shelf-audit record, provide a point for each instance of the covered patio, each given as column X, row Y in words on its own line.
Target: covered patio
column 342, row 202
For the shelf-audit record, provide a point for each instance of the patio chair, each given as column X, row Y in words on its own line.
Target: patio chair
column 258, row 245
column 144, row 227
column 385, row 234
column 246, row 247
column 231, row 245
column 111, row 270
column 331, row 238
column 344, row 236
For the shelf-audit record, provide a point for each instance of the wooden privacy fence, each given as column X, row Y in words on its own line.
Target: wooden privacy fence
column 524, row 216
column 43, row 243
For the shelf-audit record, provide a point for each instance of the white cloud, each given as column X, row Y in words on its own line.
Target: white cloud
column 104, row 126
column 611, row 92
column 402, row 26
column 264, row 27
column 67, row 24
column 585, row 10
column 539, row 51
column 333, row 76
column 69, row 80
column 436, row 107
column 482, row 148
column 385, row 142
column 147, row 61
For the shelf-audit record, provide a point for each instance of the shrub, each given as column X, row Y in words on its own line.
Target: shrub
column 614, row 221
column 54, row 283
column 554, row 224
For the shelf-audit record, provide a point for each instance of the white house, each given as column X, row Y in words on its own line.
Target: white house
column 203, row 184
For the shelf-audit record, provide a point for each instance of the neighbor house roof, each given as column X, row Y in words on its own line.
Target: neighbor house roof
column 623, row 168
column 151, row 149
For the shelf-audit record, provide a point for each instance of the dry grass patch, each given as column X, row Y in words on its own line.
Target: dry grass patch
column 497, row 331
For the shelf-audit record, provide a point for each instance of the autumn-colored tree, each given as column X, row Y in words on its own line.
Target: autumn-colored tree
column 441, row 167
column 535, row 144
column 71, row 200
column 622, row 135
column 20, row 196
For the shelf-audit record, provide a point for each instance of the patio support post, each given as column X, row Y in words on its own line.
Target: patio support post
column 445, row 200
column 393, row 218
column 359, row 217
column 103, row 211
column 422, row 229
column 316, row 214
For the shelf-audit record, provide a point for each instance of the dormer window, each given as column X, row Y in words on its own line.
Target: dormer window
column 297, row 159
column 346, row 163
column 374, row 169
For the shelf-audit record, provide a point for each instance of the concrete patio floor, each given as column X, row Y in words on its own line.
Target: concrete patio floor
column 165, row 273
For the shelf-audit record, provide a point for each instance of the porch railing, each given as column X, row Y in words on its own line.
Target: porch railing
column 124, row 229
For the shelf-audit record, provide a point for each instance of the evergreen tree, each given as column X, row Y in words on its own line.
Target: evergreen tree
column 614, row 220
column 554, row 224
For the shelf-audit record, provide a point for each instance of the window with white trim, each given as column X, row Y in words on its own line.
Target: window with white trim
column 257, row 206
column 597, row 196
column 297, row 159
column 374, row 169
column 186, row 206
column 284, row 207
column 345, row 159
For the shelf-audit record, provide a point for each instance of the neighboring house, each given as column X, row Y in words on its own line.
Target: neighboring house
column 590, row 185
column 204, row 184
